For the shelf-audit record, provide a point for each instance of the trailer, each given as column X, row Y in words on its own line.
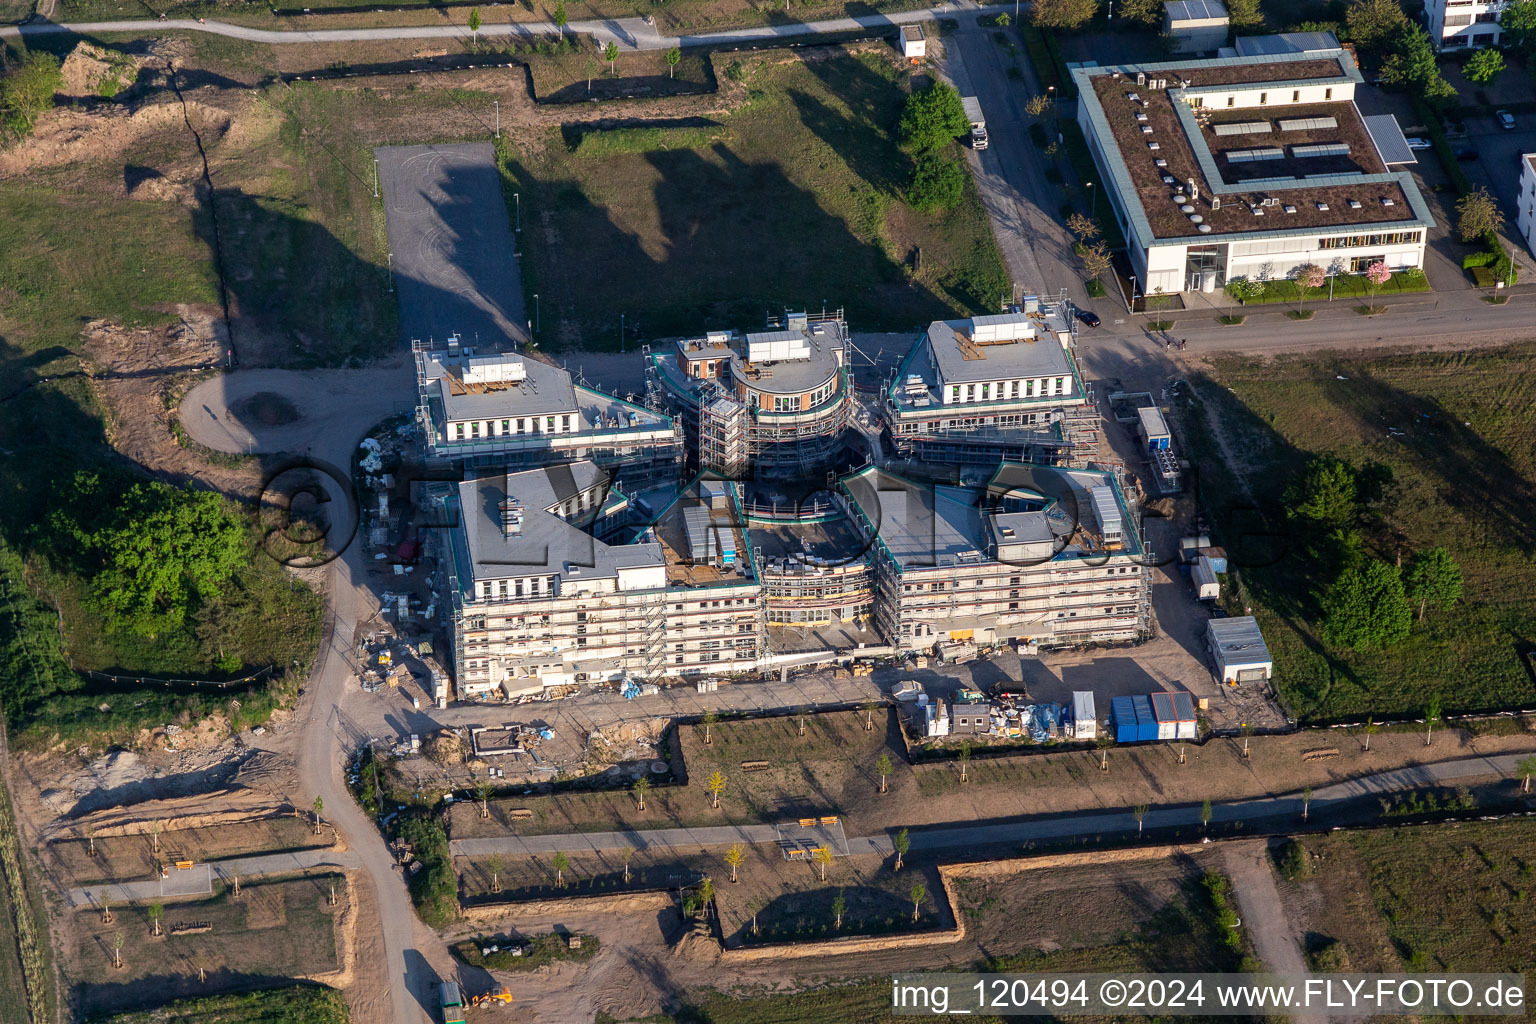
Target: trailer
column 978, row 122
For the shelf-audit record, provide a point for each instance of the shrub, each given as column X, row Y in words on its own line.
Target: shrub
column 938, row 183
column 1290, row 859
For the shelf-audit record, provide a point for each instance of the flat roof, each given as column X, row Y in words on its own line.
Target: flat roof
column 1305, row 195
column 960, row 358
column 1238, row 641
column 1285, row 42
column 1297, row 124
column 1195, row 10
column 921, row 525
column 792, row 376
column 546, row 544
column 545, row 390
column 1387, row 135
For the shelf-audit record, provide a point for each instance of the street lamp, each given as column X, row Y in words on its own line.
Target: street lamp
column 621, row 332
column 518, row 199
column 1093, row 200
column 497, row 104
column 536, row 321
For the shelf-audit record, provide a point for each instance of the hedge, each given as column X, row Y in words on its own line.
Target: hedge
column 1441, row 145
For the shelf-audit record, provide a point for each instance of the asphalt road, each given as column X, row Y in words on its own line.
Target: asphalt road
column 451, row 244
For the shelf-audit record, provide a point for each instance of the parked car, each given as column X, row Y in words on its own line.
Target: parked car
column 1416, row 143
column 1088, row 317
column 1466, row 154
column 1506, row 119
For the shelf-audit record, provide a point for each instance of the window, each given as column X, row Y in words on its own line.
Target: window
column 1263, row 98
column 1488, row 18
column 1231, row 100
column 506, row 426
column 1328, row 93
column 1059, row 389
column 565, row 423
column 970, row 392
column 1029, row 389
column 986, row 392
column 458, row 431
column 954, row 393
column 474, row 429
column 1457, row 20
column 1358, row 264
column 549, row 424
column 1015, row 390
column 1295, row 95
column 1483, row 39
column 1366, row 241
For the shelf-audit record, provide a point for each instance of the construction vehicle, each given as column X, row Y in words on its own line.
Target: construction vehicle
column 501, row 998
column 452, row 1003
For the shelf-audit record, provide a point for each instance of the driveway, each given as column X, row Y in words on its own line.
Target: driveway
column 1497, row 166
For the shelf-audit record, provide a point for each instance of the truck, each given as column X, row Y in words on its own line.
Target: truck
column 452, row 1003
column 978, row 122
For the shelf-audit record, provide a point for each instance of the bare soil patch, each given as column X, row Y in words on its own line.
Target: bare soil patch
column 267, row 408
column 132, row 854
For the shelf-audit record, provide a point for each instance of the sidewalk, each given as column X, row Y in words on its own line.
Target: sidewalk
column 246, row 868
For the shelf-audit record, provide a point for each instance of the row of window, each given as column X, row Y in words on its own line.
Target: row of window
column 1476, row 39
column 1005, row 389
column 468, row 430
column 1199, row 101
column 1379, row 238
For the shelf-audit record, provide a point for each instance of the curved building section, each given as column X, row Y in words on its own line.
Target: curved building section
column 772, row 402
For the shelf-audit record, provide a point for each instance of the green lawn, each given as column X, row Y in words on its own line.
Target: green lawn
column 791, row 200
column 296, row 1005
column 1458, row 434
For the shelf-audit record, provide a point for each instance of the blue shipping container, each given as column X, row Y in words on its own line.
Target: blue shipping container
column 1123, row 711
column 1146, row 722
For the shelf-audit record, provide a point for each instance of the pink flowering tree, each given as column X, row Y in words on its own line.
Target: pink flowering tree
column 1376, row 275
column 1309, row 277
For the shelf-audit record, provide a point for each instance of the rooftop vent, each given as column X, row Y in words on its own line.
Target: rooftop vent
column 1354, row 204
column 1289, row 208
column 1248, row 156
column 1322, row 207
column 1243, row 128
column 511, row 516
column 1388, row 201
column 1154, row 145
column 1320, row 149
column 1204, row 229
column 1160, row 162
column 1306, row 124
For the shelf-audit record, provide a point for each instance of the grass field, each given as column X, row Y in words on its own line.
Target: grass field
column 796, row 202
column 277, row 929
column 1458, row 434
column 26, row 956
column 299, row 1004
column 1478, row 914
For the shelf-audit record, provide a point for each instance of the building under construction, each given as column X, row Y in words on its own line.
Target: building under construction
column 992, row 389
column 509, row 409
column 539, row 601
column 774, row 402
column 1047, row 556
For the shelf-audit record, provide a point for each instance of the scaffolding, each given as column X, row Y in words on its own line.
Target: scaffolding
column 723, row 429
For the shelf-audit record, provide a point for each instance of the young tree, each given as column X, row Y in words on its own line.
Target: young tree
column 1065, row 14
column 1244, row 13
column 1526, row 768
column 708, row 720
column 733, row 858
column 628, row 855
column 716, row 786
column 642, row 787
column 1003, row 19
column 319, row 807
column 1038, row 105
column 560, row 862
column 938, row 183
column 918, row 893
column 117, row 950
column 26, row 90
column 592, row 67
column 706, row 895
column 673, row 56
column 932, row 118
column 496, row 864
column 1097, row 259
column 560, row 17
column 156, row 912
column 234, row 878
column 1309, row 277
column 1431, row 717
column 869, row 707
column 1432, row 577
column 1205, row 815
column 1376, row 275
column 1477, row 212
column 483, row 792
column 965, row 761
column 883, row 767
column 155, row 828
column 474, row 24
column 1083, row 227
column 611, row 55
column 90, row 840
column 822, row 857
column 1369, row 730
column 1374, row 24
column 1247, row 730
column 800, row 716
column 839, row 907
column 1306, row 801
column 902, row 843
column 1519, row 24
column 106, row 908
column 1140, row 813
column 1366, row 608
column 1483, row 67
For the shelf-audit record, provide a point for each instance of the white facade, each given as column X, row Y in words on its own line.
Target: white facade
column 1270, row 250
column 1458, row 24
column 913, row 44
column 1526, row 201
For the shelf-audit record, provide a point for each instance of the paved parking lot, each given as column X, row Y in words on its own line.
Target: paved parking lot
column 451, row 244
column 1498, row 164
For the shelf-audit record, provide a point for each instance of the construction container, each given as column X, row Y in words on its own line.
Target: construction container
column 1146, row 722
column 1154, row 429
column 1238, row 650
column 1085, row 722
column 1203, row 579
column 1175, row 714
column 1123, row 712
column 1218, row 559
column 696, row 527
column 1190, row 547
